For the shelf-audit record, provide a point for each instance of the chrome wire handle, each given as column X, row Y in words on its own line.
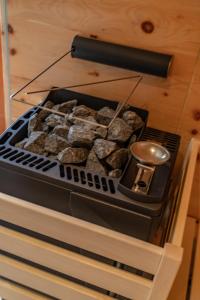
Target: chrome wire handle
column 119, row 107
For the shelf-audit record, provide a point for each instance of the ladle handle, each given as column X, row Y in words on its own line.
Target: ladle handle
column 143, row 179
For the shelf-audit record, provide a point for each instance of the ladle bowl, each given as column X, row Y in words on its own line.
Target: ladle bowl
column 150, row 153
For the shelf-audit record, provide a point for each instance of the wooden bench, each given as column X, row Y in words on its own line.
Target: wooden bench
column 18, row 276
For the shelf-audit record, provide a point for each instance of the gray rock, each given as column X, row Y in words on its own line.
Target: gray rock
column 124, row 108
column 44, row 113
column 86, row 124
column 67, row 107
column 118, row 158
column 45, row 154
column 103, row 148
column 132, row 140
column 61, row 130
column 36, row 142
column 129, row 115
column 115, row 173
column 67, row 120
column 71, row 120
column 101, row 132
column 54, row 120
column 80, row 137
column 56, row 107
column 119, row 131
column 34, row 124
column 93, row 164
column 21, row 143
column 52, row 157
column 55, row 144
column 105, row 115
column 135, row 125
column 132, row 119
column 73, row 155
column 83, row 111
column 45, row 127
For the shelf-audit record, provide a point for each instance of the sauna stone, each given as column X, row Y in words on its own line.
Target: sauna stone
column 86, row 124
column 132, row 119
column 119, row 131
column 61, row 130
column 44, row 113
column 45, row 127
column 56, row 107
column 34, row 124
column 52, row 157
column 115, row 173
column 105, row 115
column 80, row 137
column 67, row 107
column 55, row 144
column 83, row 111
column 54, row 120
column 101, row 132
column 94, row 165
column 21, row 143
column 118, row 158
column 36, row 142
column 132, row 140
column 72, row 155
column 103, row 148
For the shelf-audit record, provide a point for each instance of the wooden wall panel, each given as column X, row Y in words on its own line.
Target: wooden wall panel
column 2, row 116
column 190, row 117
column 190, row 126
column 42, row 30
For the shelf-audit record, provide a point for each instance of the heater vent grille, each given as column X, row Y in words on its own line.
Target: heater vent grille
column 21, row 157
column 166, row 139
column 87, row 178
column 76, row 175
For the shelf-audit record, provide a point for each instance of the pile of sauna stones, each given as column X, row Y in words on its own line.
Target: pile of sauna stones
column 71, row 140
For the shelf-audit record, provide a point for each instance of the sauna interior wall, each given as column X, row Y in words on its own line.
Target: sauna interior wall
column 40, row 31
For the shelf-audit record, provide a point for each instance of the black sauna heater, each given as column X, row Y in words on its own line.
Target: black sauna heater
column 74, row 190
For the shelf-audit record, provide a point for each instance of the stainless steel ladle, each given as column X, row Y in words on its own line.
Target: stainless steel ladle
column 149, row 155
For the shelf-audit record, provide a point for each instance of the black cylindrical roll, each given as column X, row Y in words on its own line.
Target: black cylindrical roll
column 139, row 60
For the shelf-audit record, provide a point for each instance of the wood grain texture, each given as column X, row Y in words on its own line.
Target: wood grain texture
column 194, row 207
column 195, row 289
column 74, row 265
column 81, row 234
column 167, row 271
column 190, row 127
column 184, row 197
column 45, row 282
column 12, row 291
column 172, row 257
column 2, row 115
column 2, row 112
column 180, row 286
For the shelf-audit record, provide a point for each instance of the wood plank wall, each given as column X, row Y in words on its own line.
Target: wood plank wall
column 2, row 114
column 40, row 31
